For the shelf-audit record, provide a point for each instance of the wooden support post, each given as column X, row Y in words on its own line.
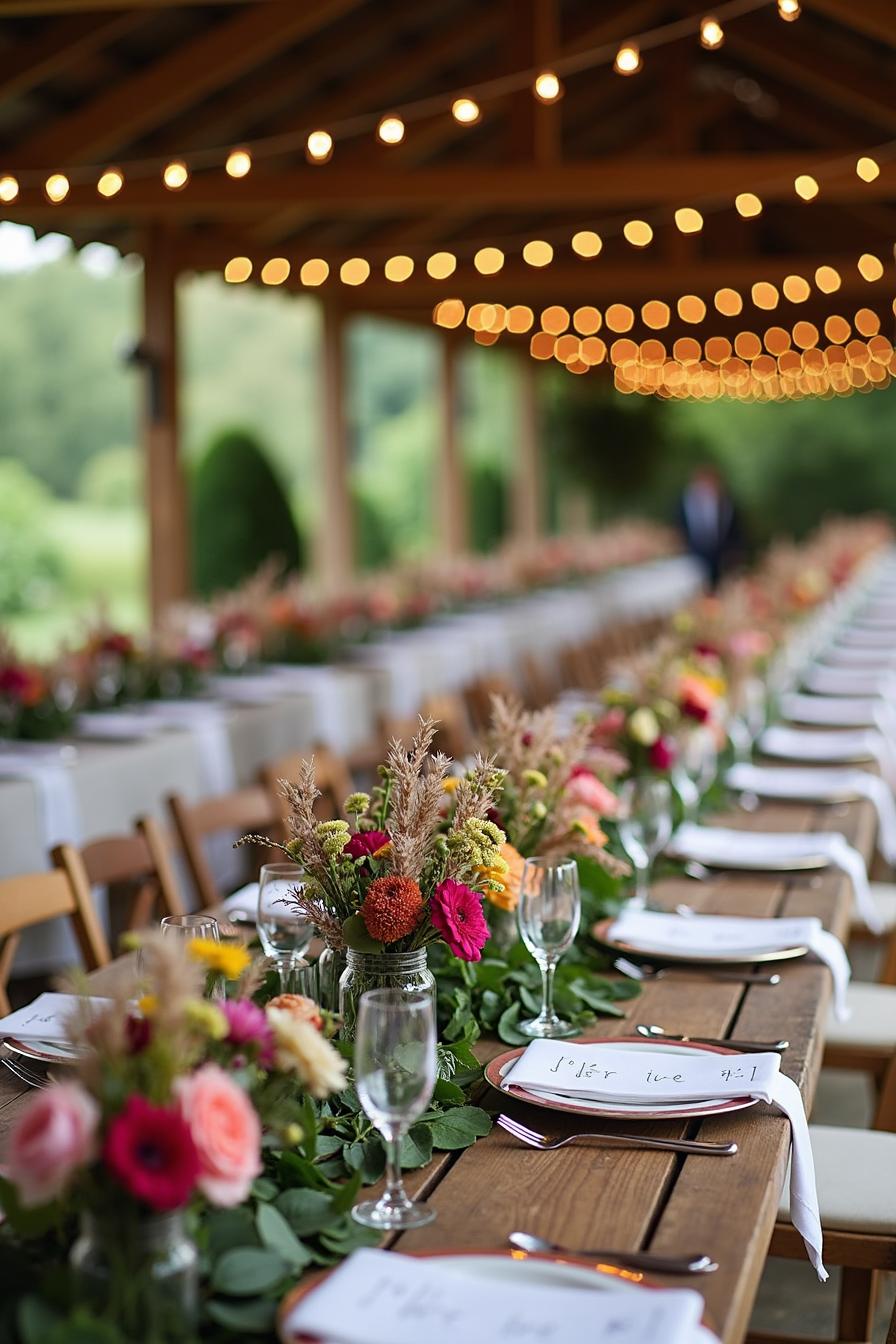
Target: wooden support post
column 527, row 476
column 165, row 488
column 335, row 521
column 450, row 481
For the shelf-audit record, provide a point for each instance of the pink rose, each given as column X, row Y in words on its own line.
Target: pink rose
column 584, row 787
column 226, row 1133
column 55, row 1134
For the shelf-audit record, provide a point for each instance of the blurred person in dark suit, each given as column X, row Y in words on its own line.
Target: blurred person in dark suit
column 708, row 518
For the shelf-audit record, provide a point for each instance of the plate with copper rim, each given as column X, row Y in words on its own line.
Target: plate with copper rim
column 601, row 933
column 499, row 1267
column 45, row 1052
column 497, row 1068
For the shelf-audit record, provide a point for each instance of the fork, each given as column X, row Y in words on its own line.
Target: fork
column 691, row 1146
column 644, row 971
column 23, row 1074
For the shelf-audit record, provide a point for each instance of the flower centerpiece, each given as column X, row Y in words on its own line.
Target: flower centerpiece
column 36, row 703
column 392, row 881
column 639, row 718
column 164, row 1114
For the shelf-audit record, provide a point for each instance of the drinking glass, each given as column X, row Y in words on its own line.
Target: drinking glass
column 395, row 1073
column 548, row 914
column 191, row 926
column 285, row 933
column 645, row 827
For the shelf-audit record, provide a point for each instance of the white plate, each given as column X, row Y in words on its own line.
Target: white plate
column 47, row 1052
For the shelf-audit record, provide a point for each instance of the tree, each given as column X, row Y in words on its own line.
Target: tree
column 240, row 514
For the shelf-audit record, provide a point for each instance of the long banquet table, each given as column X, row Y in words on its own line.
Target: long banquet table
column 594, row 1195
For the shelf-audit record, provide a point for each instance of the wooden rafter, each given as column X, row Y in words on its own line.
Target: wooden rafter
column 60, row 46
column 179, row 78
column 873, row 18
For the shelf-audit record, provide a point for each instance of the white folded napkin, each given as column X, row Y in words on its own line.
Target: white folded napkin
column 836, row 711
column 46, row 1018
column 848, row 680
column 243, row 902
column 721, row 847
column 642, row 1074
column 854, row 656
column 381, row 1297
column 857, row 637
column 838, row 744
column 727, row 935
column 822, row 784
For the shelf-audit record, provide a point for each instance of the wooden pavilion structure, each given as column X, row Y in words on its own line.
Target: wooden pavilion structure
column 91, row 82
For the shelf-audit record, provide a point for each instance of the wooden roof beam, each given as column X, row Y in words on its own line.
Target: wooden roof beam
column 58, row 46
column 872, row 18
column 178, row 79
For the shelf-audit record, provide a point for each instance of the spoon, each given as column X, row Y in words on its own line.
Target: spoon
column 653, row 1032
column 637, row 1260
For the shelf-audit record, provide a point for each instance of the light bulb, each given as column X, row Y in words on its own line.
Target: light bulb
column 9, row 188
column 466, row 111
column 390, row 130
column 239, row 162
column 56, row 187
column 628, row 60
column 806, row 187
column 547, row 87
column 711, row 33
column 237, row 270
column 789, row 10
column 176, row 175
column 867, row 169
column 110, row 183
column 688, row 220
column 319, row 146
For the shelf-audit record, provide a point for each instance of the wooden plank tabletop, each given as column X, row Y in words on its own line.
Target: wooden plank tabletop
column 588, row 1195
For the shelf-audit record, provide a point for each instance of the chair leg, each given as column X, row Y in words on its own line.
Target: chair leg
column 856, row 1305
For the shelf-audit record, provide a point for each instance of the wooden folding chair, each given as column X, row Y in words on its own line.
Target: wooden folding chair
column 540, row 685
column 37, row 898
column 246, row 811
column 136, row 868
column 477, row 696
column 331, row 775
column 454, row 735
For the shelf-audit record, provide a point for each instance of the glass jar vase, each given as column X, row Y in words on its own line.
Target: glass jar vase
column 406, row 971
column 139, row 1271
column 330, row 965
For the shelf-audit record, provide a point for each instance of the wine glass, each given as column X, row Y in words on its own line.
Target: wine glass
column 191, row 926
column 395, row 1073
column 695, row 768
column 645, row 827
column 548, row 914
column 285, row 933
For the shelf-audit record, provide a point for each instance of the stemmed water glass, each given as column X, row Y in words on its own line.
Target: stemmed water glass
column 548, row 914
column 191, row 926
column 645, row 827
column 284, row 932
column 395, row 1073
column 695, row 768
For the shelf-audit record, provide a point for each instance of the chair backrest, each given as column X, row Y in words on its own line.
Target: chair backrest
column 454, row 735
column 540, row 683
column 331, row 775
column 136, row 868
column 478, row 694
column 248, row 810
column 38, row 897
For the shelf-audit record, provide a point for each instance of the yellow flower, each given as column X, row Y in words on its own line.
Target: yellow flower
column 227, row 959
column 503, row 883
column 147, row 1004
column 205, row 1017
column 450, row 783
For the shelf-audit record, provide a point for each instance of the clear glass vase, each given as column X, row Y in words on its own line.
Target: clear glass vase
column 405, row 971
column 139, row 1271
column 330, row 965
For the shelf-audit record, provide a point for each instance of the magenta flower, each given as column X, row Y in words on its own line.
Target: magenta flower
column 364, row 844
column 248, row 1025
column 456, row 913
column 662, row 754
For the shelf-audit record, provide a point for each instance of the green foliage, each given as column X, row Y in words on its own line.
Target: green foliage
column 30, row 561
column 488, row 491
column 113, row 479
column 240, row 514
column 374, row 543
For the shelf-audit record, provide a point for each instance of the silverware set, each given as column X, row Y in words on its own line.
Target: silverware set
column 655, row 1033
column 25, row 1073
column 636, row 1260
column 646, row 971
column 691, row 1147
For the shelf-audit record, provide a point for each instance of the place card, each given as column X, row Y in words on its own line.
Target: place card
column 380, row 1297
column 47, row 1018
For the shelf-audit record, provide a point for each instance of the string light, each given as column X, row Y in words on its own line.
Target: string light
column 9, row 188
column 587, row 320
column 56, row 187
column 711, row 33
column 867, row 169
column 449, row 313
column 519, row 318
column 488, row 260
column 586, row 243
column 110, row 182
column 870, row 267
column 319, row 147
column 390, row 130
column 827, row 279
column 764, row 295
column 555, row 320
column 688, row 220
column 837, row 329
column 806, row 187
column 867, row 323
column 398, row 269
column 796, row 289
column 465, row 111
column 655, row 314
column 728, row 302
column 354, row 271
column 237, row 270
column 441, row 264
column 176, row 175
column 748, row 205
column 638, row 232
column 691, row 308
column 628, row 60
column 314, row 272
column 547, row 87
column 239, row 163
column 538, row 253
column 789, row 10
column 619, row 317
column 275, row 271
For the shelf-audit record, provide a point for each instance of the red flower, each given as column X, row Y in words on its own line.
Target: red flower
column 392, row 908
column 150, row 1150
column 456, row 913
column 693, row 709
column 364, row 844
column 662, row 754
column 706, row 650
column 137, row 1032
column 14, row 681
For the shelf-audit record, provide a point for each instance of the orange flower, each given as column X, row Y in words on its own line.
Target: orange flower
column 392, row 908
column 585, row 825
column 508, row 897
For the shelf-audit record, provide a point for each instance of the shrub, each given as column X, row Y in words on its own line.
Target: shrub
column 112, row 479
column 240, row 514
column 30, row 562
column 489, row 506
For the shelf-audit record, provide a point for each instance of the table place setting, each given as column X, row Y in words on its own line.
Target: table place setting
column 851, row 656
column 833, row 710
column 639, row 1072
column 858, row 637
column 381, row 1297
column 848, row 681
column 728, row 939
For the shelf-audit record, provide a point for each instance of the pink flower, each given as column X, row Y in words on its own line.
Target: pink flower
column 150, row 1151
column 55, row 1134
column 584, row 787
column 609, row 725
column 226, row 1133
column 662, row 754
column 247, row 1025
column 364, row 844
column 456, row 913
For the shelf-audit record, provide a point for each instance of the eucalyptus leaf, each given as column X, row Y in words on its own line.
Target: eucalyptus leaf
column 253, row 1317
column 507, row 1026
column 229, row 1228
column 306, row 1211
column 276, row 1234
column 459, row 1127
column 416, row 1147
column 247, row 1271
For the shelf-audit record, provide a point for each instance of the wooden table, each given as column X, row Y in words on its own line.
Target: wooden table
column 601, row 1196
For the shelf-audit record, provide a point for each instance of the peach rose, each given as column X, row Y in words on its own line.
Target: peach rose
column 226, row 1133
column 54, row 1136
column 300, row 1007
column 586, row 789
